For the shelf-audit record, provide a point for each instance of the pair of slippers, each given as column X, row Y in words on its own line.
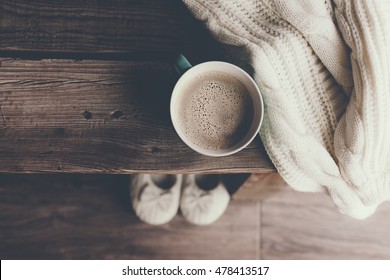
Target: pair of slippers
column 156, row 198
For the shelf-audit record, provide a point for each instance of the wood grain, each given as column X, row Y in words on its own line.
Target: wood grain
column 109, row 113
column 147, row 29
column 98, row 117
column 308, row 226
column 89, row 217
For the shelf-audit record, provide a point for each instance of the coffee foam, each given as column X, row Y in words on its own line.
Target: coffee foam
column 216, row 111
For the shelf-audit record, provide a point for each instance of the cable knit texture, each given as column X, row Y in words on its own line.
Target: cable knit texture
column 323, row 70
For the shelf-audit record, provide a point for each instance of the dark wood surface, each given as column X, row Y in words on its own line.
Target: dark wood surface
column 85, row 88
column 132, row 27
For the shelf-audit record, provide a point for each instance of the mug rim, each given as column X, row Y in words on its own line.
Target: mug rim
column 228, row 151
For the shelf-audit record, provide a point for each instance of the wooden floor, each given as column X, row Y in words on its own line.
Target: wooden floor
column 89, row 217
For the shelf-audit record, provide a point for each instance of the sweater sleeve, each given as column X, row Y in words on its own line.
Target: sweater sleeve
column 362, row 138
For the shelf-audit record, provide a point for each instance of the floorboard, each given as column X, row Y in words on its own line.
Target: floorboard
column 308, row 226
column 89, row 217
column 259, row 187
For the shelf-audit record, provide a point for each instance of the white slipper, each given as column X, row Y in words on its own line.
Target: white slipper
column 204, row 198
column 155, row 197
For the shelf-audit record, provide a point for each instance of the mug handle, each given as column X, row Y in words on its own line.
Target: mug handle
column 181, row 64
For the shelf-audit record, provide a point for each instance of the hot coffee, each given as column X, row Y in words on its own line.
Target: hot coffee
column 216, row 111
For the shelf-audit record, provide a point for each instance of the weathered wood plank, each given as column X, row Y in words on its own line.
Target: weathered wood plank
column 140, row 28
column 89, row 217
column 98, row 116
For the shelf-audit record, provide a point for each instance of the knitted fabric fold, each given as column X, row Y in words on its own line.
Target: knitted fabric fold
column 323, row 70
column 362, row 140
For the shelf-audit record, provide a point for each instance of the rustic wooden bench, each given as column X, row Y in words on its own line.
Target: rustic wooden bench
column 85, row 88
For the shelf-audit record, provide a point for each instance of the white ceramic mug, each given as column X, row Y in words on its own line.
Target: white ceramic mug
column 188, row 73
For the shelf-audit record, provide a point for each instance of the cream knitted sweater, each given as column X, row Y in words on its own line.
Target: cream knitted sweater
column 323, row 68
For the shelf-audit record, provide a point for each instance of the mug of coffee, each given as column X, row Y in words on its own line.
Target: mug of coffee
column 216, row 108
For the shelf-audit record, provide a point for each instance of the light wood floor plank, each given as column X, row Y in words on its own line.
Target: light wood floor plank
column 308, row 226
column 259, row 187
